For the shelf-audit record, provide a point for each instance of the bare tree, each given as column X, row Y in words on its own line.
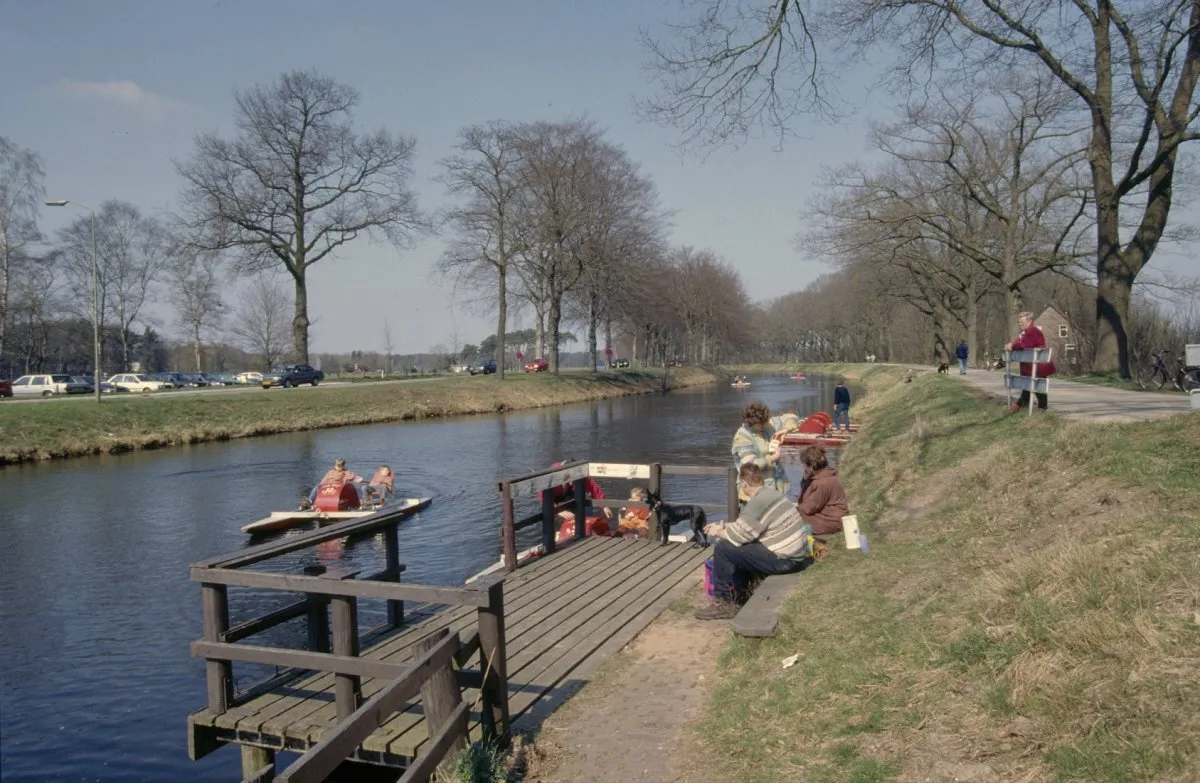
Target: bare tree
column 484, row 174
column 389, row 345
column 298, row 183
column 1132, row 64
column 261, row 319
column 131, row 256
column 21, row 193
column 194, row 278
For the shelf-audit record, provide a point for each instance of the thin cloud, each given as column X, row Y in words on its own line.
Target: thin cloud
column 126, row 94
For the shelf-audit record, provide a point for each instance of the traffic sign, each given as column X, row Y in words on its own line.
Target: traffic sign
column 608, row 350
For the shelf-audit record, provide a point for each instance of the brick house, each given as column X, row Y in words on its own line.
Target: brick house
column 1060, row 335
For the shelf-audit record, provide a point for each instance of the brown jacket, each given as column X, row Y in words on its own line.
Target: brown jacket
column 823, row 503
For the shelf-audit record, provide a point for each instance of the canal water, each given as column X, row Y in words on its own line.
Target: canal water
column 97, row 611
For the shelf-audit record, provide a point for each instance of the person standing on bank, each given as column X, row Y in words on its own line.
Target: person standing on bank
column 1030, row 337
column 841, row 405
column 768, row 537
column 961, row 353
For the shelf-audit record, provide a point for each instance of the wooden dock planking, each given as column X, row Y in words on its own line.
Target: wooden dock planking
column 565, row 613
column 557, row 643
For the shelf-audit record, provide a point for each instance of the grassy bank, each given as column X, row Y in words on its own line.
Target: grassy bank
column 1030, row 610
column 70, row 428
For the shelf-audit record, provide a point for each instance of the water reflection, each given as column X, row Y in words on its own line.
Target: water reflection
column 95, row 602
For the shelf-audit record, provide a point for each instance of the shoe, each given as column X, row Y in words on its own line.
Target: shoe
column 718, row 610
column 305, row 504
column 1014, row 408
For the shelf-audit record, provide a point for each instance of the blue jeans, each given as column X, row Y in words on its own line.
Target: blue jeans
column 962, row 366
column 841, row 412
column 734, row 564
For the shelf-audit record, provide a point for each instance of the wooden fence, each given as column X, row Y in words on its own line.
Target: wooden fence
column 576, row 475
column 437, row 671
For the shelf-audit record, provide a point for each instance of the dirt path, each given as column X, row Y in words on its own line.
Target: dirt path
column 629, row 723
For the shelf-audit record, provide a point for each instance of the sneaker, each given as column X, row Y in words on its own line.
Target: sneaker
column 718, row 610
column 1014, row 408
column 305, row 504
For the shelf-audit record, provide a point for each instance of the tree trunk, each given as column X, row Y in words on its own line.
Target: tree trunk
column 593, row 323
column 196, row 345
column 1114, row 290
column 553, row 318
column 972, row 323
column 501, row 320
column 300, row 319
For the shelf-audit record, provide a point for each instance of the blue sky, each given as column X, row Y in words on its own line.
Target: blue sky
column 110, row 92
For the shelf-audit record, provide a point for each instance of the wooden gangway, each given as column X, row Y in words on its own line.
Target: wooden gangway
column 512, row 646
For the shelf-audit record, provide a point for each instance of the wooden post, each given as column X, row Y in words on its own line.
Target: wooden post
column 440, row 698
column 655, row 487
column 216, row 622
column 548, row 521
column 580, row 508
column 318, row 624
column 507, row 530
column 493, row 663
column 258, row 764
column 347, row 687
column 391, row 554
column 732, row 496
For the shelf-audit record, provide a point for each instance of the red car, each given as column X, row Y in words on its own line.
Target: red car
column 537, row 365
column 5, row 388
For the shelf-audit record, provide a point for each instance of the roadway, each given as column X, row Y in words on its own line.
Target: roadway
column 1089, row 402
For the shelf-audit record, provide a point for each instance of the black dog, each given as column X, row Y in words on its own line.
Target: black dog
column 669, row 515
column 943, row 369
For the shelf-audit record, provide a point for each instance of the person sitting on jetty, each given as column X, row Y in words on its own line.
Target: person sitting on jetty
column 769, row 537
column 382, row 485
column 337, row 475
column 757, row 443
column 635, row 522
column 822, row 501
column 565, row 492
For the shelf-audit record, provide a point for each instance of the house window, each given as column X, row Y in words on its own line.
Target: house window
column 1069, row 347
column 1062, row 330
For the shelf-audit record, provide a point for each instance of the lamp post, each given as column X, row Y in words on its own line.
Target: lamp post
column 95, row 294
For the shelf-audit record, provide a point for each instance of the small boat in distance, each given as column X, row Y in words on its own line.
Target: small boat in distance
column 799, row 376
column 740, row 382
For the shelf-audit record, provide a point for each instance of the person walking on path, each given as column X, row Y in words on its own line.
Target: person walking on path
column 961, row 353
column 1030, row 338
column 841, row 405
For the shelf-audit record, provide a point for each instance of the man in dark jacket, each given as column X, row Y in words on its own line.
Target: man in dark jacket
column 841, row 405
column 1031, row 337
column 961, row 353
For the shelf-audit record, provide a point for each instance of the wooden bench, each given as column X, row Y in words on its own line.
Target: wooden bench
column 760, row 616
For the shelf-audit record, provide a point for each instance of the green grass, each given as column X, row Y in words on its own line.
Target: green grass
column 76, row 427
column 1030, row 604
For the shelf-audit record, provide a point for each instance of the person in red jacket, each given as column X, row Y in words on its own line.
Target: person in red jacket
column 1030, row 337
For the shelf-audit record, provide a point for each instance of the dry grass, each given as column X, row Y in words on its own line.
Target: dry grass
column 75, row 427
column 1030, row 610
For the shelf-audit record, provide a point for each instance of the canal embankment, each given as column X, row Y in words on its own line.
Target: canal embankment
column 1028, row 609
column 59, row 429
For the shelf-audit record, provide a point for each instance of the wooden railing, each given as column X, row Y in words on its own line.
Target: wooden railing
column 576, row 475
column 334, row 648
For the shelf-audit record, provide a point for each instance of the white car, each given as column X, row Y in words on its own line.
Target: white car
column 253, row 378
column 136, row 383
column 47, row 385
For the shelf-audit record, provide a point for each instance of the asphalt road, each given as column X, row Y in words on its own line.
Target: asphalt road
column 208, row 391
column 1089, row 402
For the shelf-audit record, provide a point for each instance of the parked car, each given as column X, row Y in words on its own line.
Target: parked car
column 194, row 379
column 105, row 386
column 250, row 377
column 537, row 365
column 5, row 389
column 137, row 382
column 47, row 385
column 293, row 375
column 620, row 362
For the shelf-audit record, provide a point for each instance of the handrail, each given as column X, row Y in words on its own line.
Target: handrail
column 474, row 595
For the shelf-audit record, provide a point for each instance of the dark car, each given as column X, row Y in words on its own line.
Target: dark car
column 5, row 388
column 105, row 386
column 292, row 375
column 487, row 368
column 620, row 362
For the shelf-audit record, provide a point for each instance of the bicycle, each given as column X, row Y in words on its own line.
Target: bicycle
column 1158, row 375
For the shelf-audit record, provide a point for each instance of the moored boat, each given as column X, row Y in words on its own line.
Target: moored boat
column 818, row 430
column 285, row 520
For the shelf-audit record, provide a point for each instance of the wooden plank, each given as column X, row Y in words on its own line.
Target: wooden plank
column 618, row 470
column 424, row 765
column 270, row 619
column 559, row 627
column 760, row 616
column 1025, row 383
column 692, row 470
column 251, row 717
column 1031, row 356
column 359, row 588
column 528, row 487
column 301, row 659
column 318, row 763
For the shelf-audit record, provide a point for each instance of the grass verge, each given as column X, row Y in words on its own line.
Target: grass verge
column 70, row 428
column 1030, row 610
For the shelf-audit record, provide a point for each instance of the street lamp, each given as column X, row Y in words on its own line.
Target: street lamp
column 95, row 294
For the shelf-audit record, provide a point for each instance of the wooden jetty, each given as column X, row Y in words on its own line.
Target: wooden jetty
column 504, row 651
